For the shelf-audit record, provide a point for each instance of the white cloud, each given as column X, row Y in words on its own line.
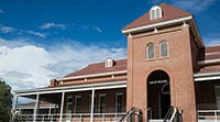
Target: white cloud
column 53, row 25
column 32, row 66
column 6, row 29
column 98, row 29
column 210, row 41
column 42, row 35
column 2, row 11
column 195, row 6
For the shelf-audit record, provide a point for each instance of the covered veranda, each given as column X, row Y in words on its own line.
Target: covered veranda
column 104, row 101
column 207, row 86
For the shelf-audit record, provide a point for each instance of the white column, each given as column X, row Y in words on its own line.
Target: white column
column 36, row 107
column 92, row 105
column 61, row 107
column 49, row 112
column 15, row 102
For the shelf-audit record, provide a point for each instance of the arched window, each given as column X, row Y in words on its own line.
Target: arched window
column 155, row 13
column 109, row 63
column 164, row 49
column 150, row 51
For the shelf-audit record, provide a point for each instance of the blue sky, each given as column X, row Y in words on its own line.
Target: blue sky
column 44, row 39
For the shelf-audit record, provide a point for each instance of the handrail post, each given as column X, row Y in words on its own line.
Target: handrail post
column 216, row 119
column 92, row 105
column 62, row 105
column 103, row 117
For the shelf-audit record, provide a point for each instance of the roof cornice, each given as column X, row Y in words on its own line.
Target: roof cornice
column 92, row 75
column 155, row 25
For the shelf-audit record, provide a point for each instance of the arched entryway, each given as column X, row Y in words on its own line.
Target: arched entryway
column 158, row 91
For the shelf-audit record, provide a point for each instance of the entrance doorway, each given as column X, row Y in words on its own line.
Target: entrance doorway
column 158, row 94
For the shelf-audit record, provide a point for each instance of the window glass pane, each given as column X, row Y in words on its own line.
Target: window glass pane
column 101, row 104
column 77, row 104
column 153, row 14
column 119, row 105
column 164, row 49
column 69, row 104
column 150, row 51
column 157, row 13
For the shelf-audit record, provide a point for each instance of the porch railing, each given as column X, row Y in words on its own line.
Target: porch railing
column 79, row 117
column 209, row 115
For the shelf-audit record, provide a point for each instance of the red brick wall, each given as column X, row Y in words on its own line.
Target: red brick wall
column 178, row 66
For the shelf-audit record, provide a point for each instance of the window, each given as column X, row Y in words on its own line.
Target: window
column 109, row 63
column 77, row 104
column 101, row 103
column 150, row 51
column 119, row 102
column 69, row 104
column 155, row 13
column 163, row 49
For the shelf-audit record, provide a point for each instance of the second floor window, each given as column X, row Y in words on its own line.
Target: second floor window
column 77, row 104
column 163, row 49
column 150, row 51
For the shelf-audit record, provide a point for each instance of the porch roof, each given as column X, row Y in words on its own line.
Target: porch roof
column 73, row 88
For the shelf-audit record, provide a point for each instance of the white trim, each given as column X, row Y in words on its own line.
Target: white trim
column 74, row 88
column 144, row 27
column 207, row 78
column 61, row 107
column 155, row 8
column 87, row 87
column 213, row 53
column 206, row 74
column 42, row 106
column 92, row 75
column 211, row 61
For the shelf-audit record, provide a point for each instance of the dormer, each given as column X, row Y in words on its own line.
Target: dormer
column 109, row 62
column 155, row 13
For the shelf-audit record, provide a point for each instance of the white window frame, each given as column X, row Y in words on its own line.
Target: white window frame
column 109, row 63
column 154, row 15
column 147, row 51
column 100, row 95
column 69, row 103
column 76, row 97
column 216, row 97
column 116, row 101
column 161, row 49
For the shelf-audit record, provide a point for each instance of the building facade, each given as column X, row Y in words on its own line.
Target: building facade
column 167, row 65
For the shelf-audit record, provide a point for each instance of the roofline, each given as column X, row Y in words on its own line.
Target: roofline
column 92, row 75
column 73, row 88
column 144, row 27
column 211, row 61
column 206, row 76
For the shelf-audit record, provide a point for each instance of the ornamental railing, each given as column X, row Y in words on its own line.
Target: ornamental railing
column 66, row 117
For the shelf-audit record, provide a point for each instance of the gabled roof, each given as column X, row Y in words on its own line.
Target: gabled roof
column 169, row 13
column 119, row 65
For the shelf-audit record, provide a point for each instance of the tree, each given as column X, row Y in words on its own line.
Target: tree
column 5, row 101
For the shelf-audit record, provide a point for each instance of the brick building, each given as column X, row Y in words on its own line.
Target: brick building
column 167, row 65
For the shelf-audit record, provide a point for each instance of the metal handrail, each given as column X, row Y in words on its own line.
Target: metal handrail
column 215, row 115
column 174, row 112
column 150, row 111
column 69, row 116
column 129, row 113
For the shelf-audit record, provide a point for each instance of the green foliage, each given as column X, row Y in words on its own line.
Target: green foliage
column 5, row 101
